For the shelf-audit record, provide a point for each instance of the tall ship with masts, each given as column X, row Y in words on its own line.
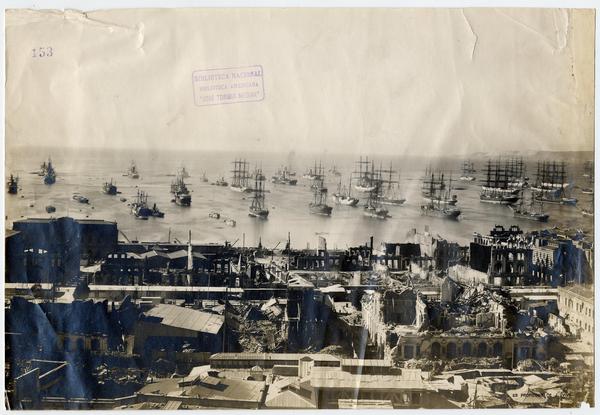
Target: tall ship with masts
column 515, row 168
column 530, row 211
column 133, row 171
column 50, row 175
column 109, row 188
column 551, row 184
column 140, row 209
column 13, row 185
column 435, row 189
column 389, row 187
column 239, row 180
column 373, row 207
column 365, row 175
column 496, row 187
column 319, row 206
column 343, row 196
column 436, row 195
column 257, row 208
column 468, row 171
column 310, row 174
column 181, row 194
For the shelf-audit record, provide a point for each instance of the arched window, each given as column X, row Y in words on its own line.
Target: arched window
column 482, row 349
column 467, row 349
column 436, row 350
column 497, row 349
column 451, row 350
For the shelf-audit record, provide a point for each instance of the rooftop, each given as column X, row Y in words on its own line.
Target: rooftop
column 187, row 318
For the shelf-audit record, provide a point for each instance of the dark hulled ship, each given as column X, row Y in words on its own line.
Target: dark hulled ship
column 257, row 209
column 13, row 185
column 551, row 185
column 319, row 206
column 496, row 187
column 181, row 194
column 50, row 175
column 109, row 188
column 436, row 194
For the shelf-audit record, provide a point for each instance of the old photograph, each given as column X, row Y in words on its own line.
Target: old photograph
column 299, row 208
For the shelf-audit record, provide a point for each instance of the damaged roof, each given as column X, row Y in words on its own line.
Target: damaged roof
column 187, row 318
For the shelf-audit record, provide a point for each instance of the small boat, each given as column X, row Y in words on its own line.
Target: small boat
column 214, row 215
column 123, row 199
column 587, row 212
column 204, row 178
column 230, row 222
column 221, row 182
column 13, row 185
column 109, row 188
column 81, row 199
column 50, row 209
column 133, row 171
column 587, row 191
column 155, row 212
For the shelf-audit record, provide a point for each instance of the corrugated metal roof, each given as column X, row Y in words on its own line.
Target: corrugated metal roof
column 187, row 318
column 366, row 362
column 273, row 356
column 337, row 379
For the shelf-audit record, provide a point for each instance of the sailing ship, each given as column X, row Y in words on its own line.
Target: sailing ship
column 365, row 175
column 239, row 181
column 515, row 170
column 109, row 188
column 13, row 185
column 389, row 188
column 50, row 175
column 140, row 209
column 204, row 178
column 181, row 194
column 343, row 196
column 133, row 171
column 436, row 195
column 468, row 170
column 373, row 207
column 530, row 212
column 435, row 190
column 496, row 187
column 318, row 205
column 311, row 174
column 551, row 186
column 283, row 177
column 257, row 209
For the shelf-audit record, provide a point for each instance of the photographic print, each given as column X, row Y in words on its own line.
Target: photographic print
column 299, row 208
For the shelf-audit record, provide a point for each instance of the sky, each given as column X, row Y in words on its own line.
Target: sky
column 363, row 81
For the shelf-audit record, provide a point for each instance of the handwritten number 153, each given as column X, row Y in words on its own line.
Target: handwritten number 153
column 42, row 52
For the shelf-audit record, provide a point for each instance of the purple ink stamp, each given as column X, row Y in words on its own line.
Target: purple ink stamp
column 228, row 85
